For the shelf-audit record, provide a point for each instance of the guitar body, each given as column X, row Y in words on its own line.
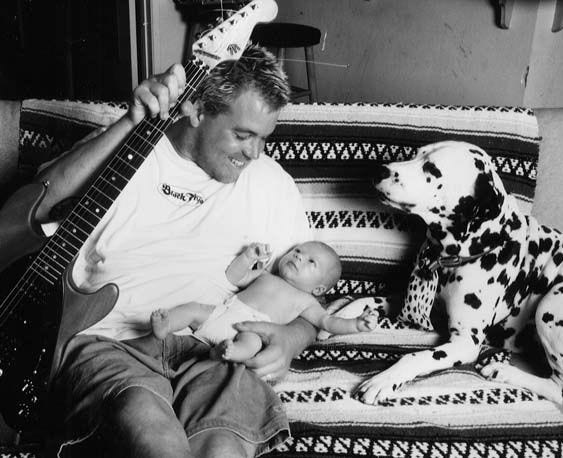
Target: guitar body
column 46, row 317
column 19, row 235
column 40, row 307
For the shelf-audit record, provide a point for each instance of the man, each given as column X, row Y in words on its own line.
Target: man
column 202, row 195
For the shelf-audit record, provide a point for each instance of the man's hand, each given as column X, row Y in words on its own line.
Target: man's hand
column 281, row 343
column 157, row 94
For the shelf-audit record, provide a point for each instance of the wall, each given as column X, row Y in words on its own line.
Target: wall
column 424, row 51
column 417, row 51
column 545, row 81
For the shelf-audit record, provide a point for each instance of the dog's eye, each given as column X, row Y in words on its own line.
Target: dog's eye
column 430, row 168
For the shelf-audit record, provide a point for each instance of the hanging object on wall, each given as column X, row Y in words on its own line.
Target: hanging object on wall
column 558, row 17
column 505, row 13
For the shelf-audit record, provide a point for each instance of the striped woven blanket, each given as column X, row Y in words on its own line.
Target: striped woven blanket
column 329, row 150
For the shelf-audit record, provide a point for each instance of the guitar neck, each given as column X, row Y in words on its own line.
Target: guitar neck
column 63, row 246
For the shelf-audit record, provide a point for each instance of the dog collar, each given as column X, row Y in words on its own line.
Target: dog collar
column 453, row 261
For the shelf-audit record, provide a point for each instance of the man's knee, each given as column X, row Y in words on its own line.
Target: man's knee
column 221, row 443
column 139, row 421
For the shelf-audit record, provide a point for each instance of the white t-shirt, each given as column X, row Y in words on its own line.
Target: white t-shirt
column 173, row 231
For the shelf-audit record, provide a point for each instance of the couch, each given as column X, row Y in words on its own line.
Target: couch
column 328, row 149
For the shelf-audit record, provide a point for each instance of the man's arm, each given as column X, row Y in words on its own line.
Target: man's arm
column 72, row 172
column 281, row 343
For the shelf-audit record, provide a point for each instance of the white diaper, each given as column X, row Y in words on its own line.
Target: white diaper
column 219, row 325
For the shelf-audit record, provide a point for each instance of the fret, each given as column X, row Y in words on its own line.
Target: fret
column 57, row 256
column 126, row 161
column 98, row 194
column 117, row 172
column 74, row 234
column 135, row 150
column 148, row 128
column 138, row 156
column 88, row 218
column 80, row 225
column 94, row 204
column 63, row 245
column 54, row 260
column 38, row 272
column 46, row 275
column 139, row 136
column 114, row 183
column 49, row 269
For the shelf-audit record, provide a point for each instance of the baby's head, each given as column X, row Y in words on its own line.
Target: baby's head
column 313, row 267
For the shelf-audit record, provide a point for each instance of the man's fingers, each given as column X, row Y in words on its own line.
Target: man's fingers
column 271, row 371
column 156, row 95
column 270, row 363
column 262, row 328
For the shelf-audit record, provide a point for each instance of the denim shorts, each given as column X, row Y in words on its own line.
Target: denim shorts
column 205, row 394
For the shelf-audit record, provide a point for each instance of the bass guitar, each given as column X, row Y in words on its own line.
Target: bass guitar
column 41, row 308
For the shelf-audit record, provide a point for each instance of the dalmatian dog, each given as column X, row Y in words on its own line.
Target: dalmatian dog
column 495, row 272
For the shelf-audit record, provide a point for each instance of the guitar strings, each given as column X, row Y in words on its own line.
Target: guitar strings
column 34, row 270
column 194, row 76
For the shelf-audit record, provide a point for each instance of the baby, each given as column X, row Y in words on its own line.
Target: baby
column 304, row 274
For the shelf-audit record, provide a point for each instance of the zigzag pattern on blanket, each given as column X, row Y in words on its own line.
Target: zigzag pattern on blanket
column 329, row 150
column 452, row 413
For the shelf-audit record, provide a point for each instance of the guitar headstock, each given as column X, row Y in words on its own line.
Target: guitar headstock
column 228, row 39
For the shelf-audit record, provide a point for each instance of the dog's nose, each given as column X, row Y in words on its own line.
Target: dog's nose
column 379, row 173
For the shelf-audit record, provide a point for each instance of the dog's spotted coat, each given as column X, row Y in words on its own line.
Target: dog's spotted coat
column 496, row 274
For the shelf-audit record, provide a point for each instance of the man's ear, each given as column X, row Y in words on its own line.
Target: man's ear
column 319, row 290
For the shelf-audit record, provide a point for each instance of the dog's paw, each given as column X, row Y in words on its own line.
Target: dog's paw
column 376, row 389
column 501, row 372
column 492, row 355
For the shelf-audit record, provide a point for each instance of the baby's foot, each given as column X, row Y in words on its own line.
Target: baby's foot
column 223, row 351
column 160, row 323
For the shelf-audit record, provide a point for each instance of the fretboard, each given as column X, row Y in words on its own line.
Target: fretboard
column 63, row 246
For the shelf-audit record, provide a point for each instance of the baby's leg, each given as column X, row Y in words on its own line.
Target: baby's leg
column 191, row 314
column 242, row 347
column 160, row 323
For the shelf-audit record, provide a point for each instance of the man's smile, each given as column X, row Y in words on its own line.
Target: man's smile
column 236, row 163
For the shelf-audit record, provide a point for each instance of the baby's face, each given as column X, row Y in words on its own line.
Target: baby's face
column 306, row 266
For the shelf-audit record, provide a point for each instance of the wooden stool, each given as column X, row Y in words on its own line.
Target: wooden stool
column 283, row 35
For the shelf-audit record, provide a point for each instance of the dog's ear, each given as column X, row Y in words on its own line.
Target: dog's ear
column 488, row 199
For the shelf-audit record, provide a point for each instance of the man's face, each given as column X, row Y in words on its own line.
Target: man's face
column 226, row 143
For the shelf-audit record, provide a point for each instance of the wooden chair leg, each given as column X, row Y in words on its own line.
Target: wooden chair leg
column 311, row 75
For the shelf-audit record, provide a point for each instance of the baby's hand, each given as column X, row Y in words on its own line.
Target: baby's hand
column 367, row 320
column 258, row 254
